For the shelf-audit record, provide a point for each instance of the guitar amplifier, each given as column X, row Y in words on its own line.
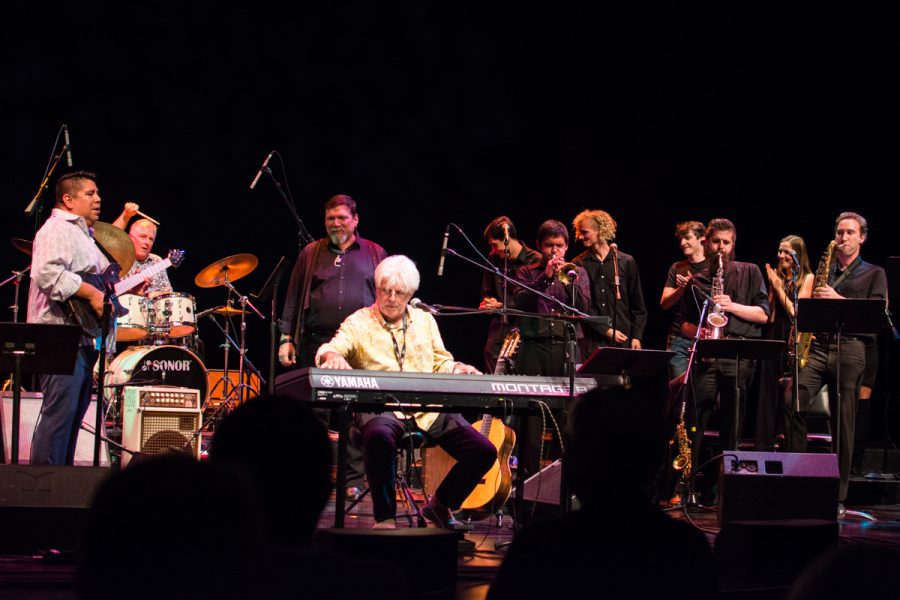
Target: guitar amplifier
column 161, row 419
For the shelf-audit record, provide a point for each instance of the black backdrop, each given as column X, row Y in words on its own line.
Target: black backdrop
column 777, row 117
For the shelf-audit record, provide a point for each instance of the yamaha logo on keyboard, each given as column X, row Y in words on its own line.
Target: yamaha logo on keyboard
column 364, row 383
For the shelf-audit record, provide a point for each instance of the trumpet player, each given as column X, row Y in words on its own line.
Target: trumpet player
column 742, row 303
column 615, row 282
column 544, row 341
column 847, row 276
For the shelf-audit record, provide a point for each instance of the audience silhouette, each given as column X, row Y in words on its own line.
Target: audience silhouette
column 618, row 543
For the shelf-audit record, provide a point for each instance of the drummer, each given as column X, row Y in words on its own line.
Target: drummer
column 143, row 234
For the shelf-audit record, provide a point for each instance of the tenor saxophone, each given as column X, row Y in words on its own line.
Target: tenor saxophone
column 682, row 462
column 805, row 342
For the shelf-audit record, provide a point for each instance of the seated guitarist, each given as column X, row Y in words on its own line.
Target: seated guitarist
column 64, row 248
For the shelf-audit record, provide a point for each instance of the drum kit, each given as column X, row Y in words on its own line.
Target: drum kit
column 167, row 350
column 161, row 331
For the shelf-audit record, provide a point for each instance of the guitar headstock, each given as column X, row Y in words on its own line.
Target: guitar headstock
column 175, row 257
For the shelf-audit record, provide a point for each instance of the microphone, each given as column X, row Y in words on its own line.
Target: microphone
column 68, row 145
column 506, row 233
column 796, row 260
column 261, row 169
column 417, row 303
column 615, row 250
column 572, row 274
column 443, row 251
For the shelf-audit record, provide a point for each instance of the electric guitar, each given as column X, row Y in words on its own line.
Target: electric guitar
column 493, row 490
column 80, row 311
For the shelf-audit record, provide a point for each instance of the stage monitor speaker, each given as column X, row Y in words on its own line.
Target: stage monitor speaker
column 757, row 486
column 45, row 507
column 30, row 409
column 161, row 419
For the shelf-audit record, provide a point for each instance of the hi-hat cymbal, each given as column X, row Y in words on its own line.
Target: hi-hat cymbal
column 21, row 245
column 234, row 267
column 116, row 242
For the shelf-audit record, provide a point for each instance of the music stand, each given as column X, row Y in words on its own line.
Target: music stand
column 38, row 348
column 839, row 316
column 737, row 349
column 626, row 362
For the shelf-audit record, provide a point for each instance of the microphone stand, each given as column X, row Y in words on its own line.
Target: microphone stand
column 303, row 236
column 503, row 317
column 104, row 332
column 270, row 287
column 795, row 348
column 35, row 207
column 687, row 492
column 618, row 294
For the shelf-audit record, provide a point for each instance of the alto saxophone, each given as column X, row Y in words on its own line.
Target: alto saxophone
column 805, row 342
column 716, row 320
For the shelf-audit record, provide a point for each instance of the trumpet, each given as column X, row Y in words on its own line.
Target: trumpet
column 567, row 273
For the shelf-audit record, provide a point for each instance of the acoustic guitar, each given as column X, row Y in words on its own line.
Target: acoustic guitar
column 495, row 486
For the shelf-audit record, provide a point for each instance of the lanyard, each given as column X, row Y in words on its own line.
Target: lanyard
column 399, row 353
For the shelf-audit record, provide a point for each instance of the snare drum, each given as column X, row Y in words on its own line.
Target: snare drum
column 157, row 365
column 173, row 315
column 132, row 326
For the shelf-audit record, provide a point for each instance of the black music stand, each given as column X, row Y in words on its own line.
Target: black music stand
column 737, row 349
column 625, row 362
column 840, row 316
column 37, row 348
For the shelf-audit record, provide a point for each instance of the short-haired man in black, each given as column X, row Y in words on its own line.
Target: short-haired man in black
column 849, row 277
column 509, row 253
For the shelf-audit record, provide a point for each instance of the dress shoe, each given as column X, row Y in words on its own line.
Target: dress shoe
column 841, row 511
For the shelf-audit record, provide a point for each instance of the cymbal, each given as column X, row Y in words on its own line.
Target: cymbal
column 227, row 310
column 116, row 242
column 21, row 245
column 234, row 267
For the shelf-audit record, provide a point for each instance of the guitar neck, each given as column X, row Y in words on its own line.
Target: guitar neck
column 129, row 282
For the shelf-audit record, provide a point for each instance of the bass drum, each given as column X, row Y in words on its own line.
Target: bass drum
column 156, row 366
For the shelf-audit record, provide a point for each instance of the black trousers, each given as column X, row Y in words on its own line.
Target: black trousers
column 474, row 453
column 717, row 379
column 820, row 370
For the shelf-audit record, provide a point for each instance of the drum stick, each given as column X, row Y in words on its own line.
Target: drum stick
column 149, row 218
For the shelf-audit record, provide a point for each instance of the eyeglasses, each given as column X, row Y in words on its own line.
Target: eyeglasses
column 389, row 293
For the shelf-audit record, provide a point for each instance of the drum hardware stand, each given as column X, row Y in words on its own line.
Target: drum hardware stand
column 17, row 279
column 238, row 390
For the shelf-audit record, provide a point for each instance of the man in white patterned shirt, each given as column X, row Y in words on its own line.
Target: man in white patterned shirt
column 390, row 335
column 64, row 248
